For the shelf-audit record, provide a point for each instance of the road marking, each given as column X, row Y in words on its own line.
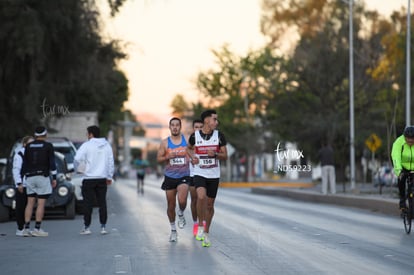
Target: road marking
column 122, row 264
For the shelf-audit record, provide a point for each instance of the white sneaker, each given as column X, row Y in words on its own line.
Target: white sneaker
column 85, row 231
column 27, row 232
column 200, row 234
column 206, row 241
column 103, row 230
column 20, row 233
column 173, row 236
column 181, row 221
column 39, row 233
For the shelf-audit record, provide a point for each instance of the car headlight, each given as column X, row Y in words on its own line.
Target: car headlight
column 10, row 192
column 63, row 191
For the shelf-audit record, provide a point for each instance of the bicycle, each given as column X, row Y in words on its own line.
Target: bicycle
column 408, row 213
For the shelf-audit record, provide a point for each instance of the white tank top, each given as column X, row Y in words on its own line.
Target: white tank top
column 208, row 167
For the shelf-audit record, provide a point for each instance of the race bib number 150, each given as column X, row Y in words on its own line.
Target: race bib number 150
column 207, row 162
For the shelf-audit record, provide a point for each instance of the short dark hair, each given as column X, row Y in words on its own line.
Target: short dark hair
column 94, row 130
column 197, row 120
column 207, row 113
column 174, row 118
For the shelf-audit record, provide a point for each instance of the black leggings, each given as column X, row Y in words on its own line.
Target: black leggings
column 92, row 188
column 401, row 184
column 21, row 201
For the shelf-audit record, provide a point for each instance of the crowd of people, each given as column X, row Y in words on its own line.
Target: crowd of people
column 34, row 174
column 191, row 166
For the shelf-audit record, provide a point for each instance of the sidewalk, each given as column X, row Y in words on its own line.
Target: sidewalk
column 365, row 196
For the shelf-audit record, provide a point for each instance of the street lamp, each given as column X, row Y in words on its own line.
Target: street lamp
column 351, row 96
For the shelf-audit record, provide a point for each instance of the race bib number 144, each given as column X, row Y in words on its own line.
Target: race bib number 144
column 177, row 161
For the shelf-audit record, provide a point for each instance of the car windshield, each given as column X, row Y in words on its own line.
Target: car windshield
column 67, row 151
column 64, row 146
column 59, row 165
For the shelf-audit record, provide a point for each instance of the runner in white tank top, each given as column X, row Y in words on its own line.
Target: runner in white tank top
column 206, row 148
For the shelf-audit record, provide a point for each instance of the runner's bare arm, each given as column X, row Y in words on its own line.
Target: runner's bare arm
column 161, row 155
column 222, row 154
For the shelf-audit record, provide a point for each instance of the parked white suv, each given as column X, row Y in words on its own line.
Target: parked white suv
column 66, row 147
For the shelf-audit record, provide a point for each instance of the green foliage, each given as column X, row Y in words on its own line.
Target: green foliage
column 320, row 67
column 263, row 97
column 51, row 51
column 242, row 90
column 179, row 106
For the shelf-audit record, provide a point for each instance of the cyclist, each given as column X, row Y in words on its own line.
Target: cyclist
column 402, row 155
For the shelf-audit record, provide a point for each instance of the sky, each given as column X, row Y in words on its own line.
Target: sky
column 170, row 41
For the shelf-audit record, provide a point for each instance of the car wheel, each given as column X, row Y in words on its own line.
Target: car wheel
column 70, row 210
column 4, row 213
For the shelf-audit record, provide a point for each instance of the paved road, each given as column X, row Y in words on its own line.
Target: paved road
column 367, row 196
column 251, row 234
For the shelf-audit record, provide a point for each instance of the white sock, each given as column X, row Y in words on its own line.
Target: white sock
column 180, row 212
column 173, row 226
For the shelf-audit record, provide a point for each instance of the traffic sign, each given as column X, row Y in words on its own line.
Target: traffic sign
column 373, row 142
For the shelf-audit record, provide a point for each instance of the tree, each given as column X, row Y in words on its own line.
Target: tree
column 304, row 95
column 179, row 105
column 319, row 66
column 51, row 51
column 242, row 89
column 389, row 74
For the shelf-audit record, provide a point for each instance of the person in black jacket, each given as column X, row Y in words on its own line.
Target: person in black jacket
column 38, row 164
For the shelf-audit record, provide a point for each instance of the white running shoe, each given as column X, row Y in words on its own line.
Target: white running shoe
column 173, row 236
column 200, row 234
column 206, row 241
column 39, row 233
column 103, row 230
column 20, row 233
column 27, row 232
column 85, row 231
column 181, row 221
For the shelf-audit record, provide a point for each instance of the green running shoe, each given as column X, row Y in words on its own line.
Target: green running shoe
column 206, row 242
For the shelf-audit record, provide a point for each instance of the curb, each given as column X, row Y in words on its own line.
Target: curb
column 382, row 205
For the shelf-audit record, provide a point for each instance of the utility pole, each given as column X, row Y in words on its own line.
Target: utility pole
column 127, row 125
column 351, row 98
